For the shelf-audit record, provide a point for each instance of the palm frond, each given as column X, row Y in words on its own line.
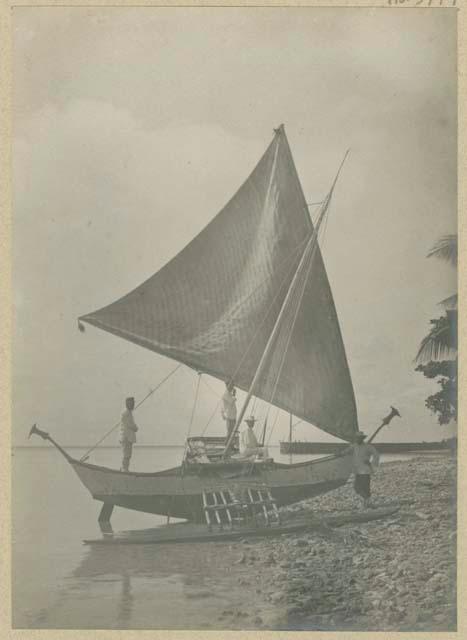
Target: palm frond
column 434, row 348
column 441, row 342
column 449, row 303
column 445, row 249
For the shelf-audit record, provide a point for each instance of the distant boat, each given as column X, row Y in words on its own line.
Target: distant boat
column 306, row 448
column 247, row 300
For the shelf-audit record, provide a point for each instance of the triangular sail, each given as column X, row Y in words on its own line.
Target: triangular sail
column 214, row 305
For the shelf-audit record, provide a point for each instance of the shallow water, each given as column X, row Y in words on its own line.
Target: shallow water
column 60, row 583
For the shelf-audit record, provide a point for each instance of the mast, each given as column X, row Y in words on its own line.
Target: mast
column 306, row 258
column 290, row 428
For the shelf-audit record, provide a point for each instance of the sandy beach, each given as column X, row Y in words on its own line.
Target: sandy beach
column 394, row 574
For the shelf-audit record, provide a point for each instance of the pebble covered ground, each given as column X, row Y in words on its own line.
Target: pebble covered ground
column 393, row 574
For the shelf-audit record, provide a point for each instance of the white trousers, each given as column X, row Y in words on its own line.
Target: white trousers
column 256, row 451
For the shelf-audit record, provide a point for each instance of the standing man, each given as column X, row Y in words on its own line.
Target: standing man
column 128, row 431
column 249, row 445
column 365, row 461
column 229, row 407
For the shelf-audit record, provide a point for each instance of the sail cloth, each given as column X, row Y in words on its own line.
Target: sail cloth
column 214, row 305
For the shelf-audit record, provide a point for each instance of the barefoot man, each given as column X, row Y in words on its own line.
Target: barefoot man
column 128, row 431
column 229, row 407
column 365, row 461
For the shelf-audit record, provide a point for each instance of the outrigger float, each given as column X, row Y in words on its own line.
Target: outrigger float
column 187, row 532
column 247, row 301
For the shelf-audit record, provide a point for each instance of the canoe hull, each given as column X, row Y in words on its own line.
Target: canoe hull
column 178, row 492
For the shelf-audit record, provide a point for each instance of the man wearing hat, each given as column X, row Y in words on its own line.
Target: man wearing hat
column 128, row 431
column 249, row 445
column 365, row 461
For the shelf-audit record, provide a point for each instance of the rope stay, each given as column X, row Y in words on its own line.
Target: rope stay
column 273, row 425
column 194, row 403
column 211, row 417
column 208, row 386
column 255, row 398
column 169, row 375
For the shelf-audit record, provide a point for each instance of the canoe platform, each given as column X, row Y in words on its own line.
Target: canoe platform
column 186, row 532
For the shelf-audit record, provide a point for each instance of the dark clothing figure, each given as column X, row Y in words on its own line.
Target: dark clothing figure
column 365, row 460
column 362, row 485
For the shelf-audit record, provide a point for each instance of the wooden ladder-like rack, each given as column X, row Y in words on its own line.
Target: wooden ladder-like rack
column 255, row 506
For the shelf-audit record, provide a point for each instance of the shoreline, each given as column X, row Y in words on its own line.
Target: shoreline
column 395, row 574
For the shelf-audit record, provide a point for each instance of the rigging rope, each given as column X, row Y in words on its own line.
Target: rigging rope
column 185, row 450
column 203, row 380
column 254, row 406
column 273, row 425
column 211, row 389
column 249, row 469
column 86, row 455
column 211, row 418
column 194, row 404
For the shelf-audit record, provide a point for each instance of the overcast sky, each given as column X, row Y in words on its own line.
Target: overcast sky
column 134, row 126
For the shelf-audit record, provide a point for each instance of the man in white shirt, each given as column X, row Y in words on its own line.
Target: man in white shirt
column 128, row 431
column 249, row 445
column 229, row 407
column 365, row 461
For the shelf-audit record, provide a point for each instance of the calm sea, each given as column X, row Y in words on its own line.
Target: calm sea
column 60, row 583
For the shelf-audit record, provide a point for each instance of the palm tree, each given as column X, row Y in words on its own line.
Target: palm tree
column 441, row 342
column 445, row 249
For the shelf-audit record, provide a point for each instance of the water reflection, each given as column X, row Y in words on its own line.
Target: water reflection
column 147, row 560
column 161, row 586
column 126, row 602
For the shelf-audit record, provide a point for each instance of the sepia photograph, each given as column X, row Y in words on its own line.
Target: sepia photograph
column 234, row 356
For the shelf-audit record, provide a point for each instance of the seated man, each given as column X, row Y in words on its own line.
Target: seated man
column 249, row 445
